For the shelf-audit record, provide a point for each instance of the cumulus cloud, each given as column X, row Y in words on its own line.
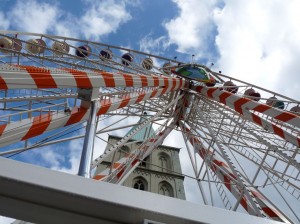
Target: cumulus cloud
column 254, row 41
column 103, row 17
column 99, row 18
column 4, row 22
column 153, row 45
column 193, row 28
column 34, row 16
column 258, row 42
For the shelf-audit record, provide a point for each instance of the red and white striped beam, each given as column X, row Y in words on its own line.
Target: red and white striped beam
column 29, row 77
column 31, row 127
column 244, row 106
column 225, row 174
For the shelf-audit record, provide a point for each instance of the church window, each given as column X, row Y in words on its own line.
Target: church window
column 140, row 184
column 164, row 161
column 165, row 189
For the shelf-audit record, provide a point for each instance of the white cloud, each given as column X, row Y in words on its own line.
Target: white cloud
column 153, row 45
column 103, row 17
column 34, row 16
column 4, row 23
column 259, row 43
column 192, row 28
column 99, row 18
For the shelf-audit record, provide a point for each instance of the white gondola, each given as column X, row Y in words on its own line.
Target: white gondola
column 60, row 48
column 36, row 46
column 7, row 44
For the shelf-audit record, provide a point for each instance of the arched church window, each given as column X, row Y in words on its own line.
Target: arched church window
column 164, row 161
column 165, row 189
column 140, row 184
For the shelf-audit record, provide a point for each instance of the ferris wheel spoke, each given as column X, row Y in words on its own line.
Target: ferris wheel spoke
column 265, row 141
column 248, row 147
column 228, row 177
column 244, row 105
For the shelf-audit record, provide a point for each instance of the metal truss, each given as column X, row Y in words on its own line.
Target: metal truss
column 242, row 151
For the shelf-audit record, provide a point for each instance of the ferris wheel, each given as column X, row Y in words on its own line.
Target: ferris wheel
column 242, row 140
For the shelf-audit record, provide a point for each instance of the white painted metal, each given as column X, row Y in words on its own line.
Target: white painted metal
column 260, row 146
column 56, row 197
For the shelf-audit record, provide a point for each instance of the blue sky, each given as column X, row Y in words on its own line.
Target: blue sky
column 255, row 41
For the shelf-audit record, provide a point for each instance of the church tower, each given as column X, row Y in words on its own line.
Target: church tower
column 159, row 173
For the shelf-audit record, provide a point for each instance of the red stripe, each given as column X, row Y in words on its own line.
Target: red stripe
column 2, row 83
column 116, row 165
column 257, row 194
column 141, row 97
column 153, row 94
column 256, row 119
column 81, row 78
column 285, row 116
column 41, row 77
column 144, row 81
column 156, row 81
column 198, row 89
column 124, row 102
column 244, row 203
column 210, row 92
column 270, row 212
column 239, row 103
column 166, row 82
column 174, row 84
column 164, row 90
column 219, row 163
column 227, row 182
column 76, row 115
column 224, row 96
column 39, row 126
column 128, row 80
column 2, row 128
column 108, row 79
column 134, row 162
column 99, row 177
column 278, row 131
column 120, row 173
column 104, row 106
column 261, row 108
